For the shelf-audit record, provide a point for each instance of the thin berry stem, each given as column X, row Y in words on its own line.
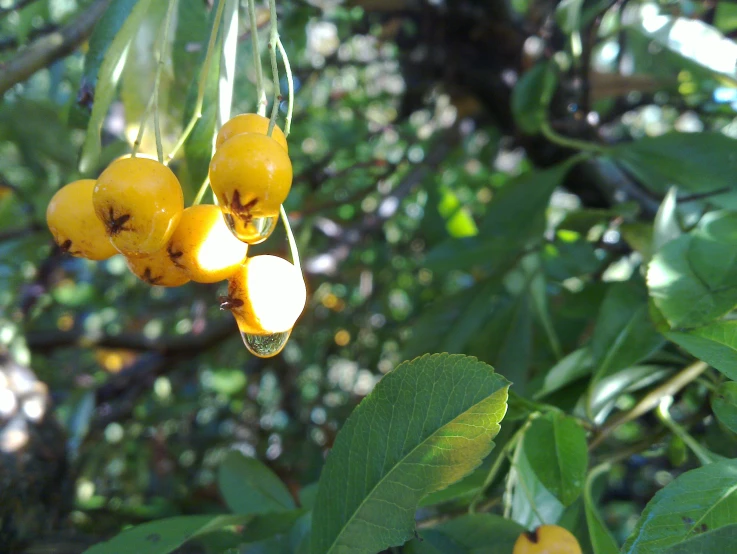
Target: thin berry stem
column 273, row 42
column 202, row 191
column 153, row 102
column 202, row 84
column 290, row 238
column 290, row 84
column 260, row 90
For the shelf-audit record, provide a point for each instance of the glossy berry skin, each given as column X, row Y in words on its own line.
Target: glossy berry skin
column 547, row 539
column 157, row 269
column 203, row 246
column 140, row 202
column 74, row 225
column 250, row 175
column 249, row 123
column 266, row 295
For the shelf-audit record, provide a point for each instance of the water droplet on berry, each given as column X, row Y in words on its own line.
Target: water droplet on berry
column 255, row 231
column 265, row 346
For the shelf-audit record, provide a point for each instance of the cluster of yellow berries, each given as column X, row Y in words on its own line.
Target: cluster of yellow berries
column 136, row 208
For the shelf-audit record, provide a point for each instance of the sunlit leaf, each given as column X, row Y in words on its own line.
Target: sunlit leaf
column 715, row 343
column 430, row 422
column 693, row 279
column 666, row 227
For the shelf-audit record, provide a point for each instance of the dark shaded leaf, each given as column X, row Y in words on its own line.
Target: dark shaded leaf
column 249, row 487
column 699, row 501
column 555, row 446
column 724, row 404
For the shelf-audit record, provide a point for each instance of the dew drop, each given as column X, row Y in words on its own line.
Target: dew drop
column 255, row 231
column 265, row 346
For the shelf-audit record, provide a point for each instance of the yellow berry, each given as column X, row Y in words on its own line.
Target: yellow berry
column 266, row 295
column 157, row 269
column 547, row 539
column 249, row 123
column 74, row 225
column 140, row 203
column 250, row 175
column 203, row 247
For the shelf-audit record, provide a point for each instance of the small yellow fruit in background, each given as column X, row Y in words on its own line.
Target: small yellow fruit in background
column 249, row 123
column 203, row 246
column 266, row 295
column 140, row 202
column 547, row 539
column 74, row 225
column 157, row 269
column 251, row 176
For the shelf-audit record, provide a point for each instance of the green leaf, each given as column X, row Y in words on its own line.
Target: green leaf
column 190, row 41
column 723, row 539
column 666, row 227
column 199, row 147
column 694, row 162
column 458, row 220
column 693, row 279
column 604, row 394
column 108, row 74
column 426, row 425
column 724, row 404
column 532, row 504
column 601, row 538
column 568, row 15
column 101, row 39
column 165, row 535
column 624, row 333
column 573, row 367
column 697, row 50
column 532, row 94
column 555, row 446
column 700, row 500
column 715, row 344
column 469, row 534
column 249, row 487
column 515, row 217
column 227, row 62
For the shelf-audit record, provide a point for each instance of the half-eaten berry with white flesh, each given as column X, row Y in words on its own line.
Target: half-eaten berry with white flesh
column 266, row 296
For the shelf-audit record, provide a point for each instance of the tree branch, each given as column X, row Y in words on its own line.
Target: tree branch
column 215, row 332
column 51, row 47
column 19, row 5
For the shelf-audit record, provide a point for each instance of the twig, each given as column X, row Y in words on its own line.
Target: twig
column 46, row 50
column 45, row 341
column 651, row 400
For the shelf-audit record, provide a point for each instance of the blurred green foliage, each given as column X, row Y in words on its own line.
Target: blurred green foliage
column 469, row 179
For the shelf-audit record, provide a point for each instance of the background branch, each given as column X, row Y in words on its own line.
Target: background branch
column 47, row 49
